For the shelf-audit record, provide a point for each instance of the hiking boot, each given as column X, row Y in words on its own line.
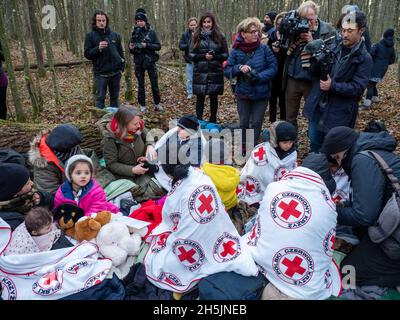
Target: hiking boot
column 376, row 99
column 158, row 107
column 143, row 109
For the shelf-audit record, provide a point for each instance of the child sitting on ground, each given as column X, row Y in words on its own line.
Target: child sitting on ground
column 81, row 189
column 269, row 162
column 36, row 234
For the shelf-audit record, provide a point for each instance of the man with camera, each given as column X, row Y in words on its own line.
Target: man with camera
column 336, row 91
column 104, row 48
column 144, row 45
column 298, row 79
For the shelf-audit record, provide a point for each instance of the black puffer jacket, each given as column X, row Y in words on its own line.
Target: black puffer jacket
column 371, row 189
column 110, row 60
column 208, row 76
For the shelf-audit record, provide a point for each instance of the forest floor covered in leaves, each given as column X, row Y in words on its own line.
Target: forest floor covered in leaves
column 75, row 84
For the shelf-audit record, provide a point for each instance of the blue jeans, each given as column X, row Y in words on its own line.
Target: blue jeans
column 113, row 84
column 314, row 134
column 189, row 78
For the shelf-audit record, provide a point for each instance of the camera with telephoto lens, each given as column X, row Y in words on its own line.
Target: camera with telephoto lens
column 251, row 77
column 137, row 37
column 290, row 28
column 321, row 56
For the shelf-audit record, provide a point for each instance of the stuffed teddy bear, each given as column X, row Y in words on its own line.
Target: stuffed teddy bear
column 87, row 228
column 67, row 215
column 116, row 243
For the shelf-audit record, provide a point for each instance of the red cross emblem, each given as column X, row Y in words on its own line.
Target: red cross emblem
column 169, row 281
column 289, row 210
column 332, row 241
column 250, row 187
column 337, row 199
column 186, row 255
column 49, row 278
column 294, row 266
column 162, row 239
column 260, row 154
column 228, row 249
column 206, row 204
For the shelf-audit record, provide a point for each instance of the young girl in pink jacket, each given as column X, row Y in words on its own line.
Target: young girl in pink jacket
column 81, row 189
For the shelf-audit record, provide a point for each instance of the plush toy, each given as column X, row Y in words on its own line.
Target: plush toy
column 87, row 228
column 116, row 243
column 67, row 215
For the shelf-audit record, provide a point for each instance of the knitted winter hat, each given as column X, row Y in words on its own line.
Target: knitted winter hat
column 389, row 33
column 79, row 157
column 272, row 15
column 318, row 163
column 189, row 122
column 339, row 139
column 141, row 15
column 63, row 138
column 12, row 179
column 285, row 131
column 218, row 152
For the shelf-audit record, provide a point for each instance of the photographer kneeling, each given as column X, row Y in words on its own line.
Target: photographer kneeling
column 294, row 31
column 143, row 46
column 342, row 77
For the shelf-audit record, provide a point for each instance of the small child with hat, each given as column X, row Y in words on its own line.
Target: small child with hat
column 81, row 189
column 269, row 162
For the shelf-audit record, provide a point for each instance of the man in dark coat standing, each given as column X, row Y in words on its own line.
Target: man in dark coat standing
column 371, row 192
column 384, row 54
column 103, row 47
column 144, row 45
column 334, row 102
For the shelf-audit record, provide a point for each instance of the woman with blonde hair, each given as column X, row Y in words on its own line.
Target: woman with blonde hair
column 254, row 66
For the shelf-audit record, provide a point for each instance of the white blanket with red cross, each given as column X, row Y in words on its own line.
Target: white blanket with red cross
column 262, row 168
column 195, row 239
column 50, row 275
column 343, row 189
column 293, row 239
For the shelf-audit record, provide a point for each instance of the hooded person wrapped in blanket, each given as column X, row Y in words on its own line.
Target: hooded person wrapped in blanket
column 189, row 137
column 196, row 237
column 52, row 275
column 268, row 162
column 293, row 239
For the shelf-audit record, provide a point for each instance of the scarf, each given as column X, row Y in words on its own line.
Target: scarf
column 205, row 33
column 283, row 154
column 130, row 136
column 245, row 46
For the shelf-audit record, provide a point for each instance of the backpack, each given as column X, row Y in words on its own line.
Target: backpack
column 232, row 286
column 386, row 232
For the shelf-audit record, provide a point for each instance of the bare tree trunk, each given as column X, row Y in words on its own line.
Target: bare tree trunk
column 50, row 60
column 28, row 78
column 36, row 37
column 10, row 71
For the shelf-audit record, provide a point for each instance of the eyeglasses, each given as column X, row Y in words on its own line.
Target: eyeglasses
column 252, row 31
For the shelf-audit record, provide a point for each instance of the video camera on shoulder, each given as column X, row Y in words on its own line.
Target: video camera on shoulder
column 321, row 55
column 292, row 25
